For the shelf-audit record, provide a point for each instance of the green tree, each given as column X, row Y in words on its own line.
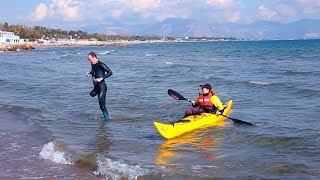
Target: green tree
column 6, row 26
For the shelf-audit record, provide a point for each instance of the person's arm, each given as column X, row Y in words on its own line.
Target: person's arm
column 217, row 103
column 107, row 70
column 195, row 103
column 89, row 72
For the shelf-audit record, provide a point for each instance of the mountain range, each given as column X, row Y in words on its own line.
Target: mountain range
column 179, row 27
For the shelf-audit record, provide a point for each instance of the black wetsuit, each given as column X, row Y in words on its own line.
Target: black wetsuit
column 100, row 70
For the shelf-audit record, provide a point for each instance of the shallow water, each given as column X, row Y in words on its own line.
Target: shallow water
column 44, row 97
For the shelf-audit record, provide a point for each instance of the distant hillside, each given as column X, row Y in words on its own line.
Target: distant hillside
column 306, row 28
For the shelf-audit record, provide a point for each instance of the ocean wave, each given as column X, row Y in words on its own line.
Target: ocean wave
column 151, row 54
column 308, row 92
column 110, row 169
column 168, row 62
column 65, row 55
column 260, row 83
column 200, row 167
column 50, row 152
column 293, row 73
column 104, row 53
column 277, row 141
column 13, row 108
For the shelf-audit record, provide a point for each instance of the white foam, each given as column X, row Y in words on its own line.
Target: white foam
column 64, row 55
column 260, row 83
column 49, row 151
column 110, row 169
column 104, row 53
column 168, row 62
column 199, row 167
column 151, row 54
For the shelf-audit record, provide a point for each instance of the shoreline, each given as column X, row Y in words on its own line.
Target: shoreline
column 36, row 45
column 80, row 43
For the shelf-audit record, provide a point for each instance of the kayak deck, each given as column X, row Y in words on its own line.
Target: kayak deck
column 191, row 123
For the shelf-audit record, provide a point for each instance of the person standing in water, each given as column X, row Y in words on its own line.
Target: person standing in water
column 99, row 72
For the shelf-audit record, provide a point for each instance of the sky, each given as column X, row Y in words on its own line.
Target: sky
column 74, row 13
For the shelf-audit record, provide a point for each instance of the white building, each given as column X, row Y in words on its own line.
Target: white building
column 9, row 37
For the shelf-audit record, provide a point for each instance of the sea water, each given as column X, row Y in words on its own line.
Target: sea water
column 48, row 121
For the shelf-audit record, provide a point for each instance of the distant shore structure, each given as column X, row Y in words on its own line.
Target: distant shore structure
column 9, row 37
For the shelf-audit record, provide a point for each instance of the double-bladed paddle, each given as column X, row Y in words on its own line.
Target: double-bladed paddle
column 178, row 96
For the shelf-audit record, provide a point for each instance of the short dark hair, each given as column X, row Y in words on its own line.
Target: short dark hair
column 93, row 54
column 208, row 86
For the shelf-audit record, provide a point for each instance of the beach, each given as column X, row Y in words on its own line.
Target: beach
column 76, row 43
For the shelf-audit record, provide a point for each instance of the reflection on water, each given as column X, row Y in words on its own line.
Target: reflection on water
column 102, row 141
column 202, row 142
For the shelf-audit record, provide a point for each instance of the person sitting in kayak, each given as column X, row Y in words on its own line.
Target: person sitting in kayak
column 207, row 101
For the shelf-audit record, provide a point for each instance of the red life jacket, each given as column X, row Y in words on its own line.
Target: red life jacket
column 204, row 100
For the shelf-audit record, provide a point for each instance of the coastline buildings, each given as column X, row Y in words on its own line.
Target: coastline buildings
column 9, row 37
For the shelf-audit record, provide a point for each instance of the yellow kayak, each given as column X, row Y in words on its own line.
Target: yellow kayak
column 191, row 123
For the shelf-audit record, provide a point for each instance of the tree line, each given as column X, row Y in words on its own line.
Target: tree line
column 38, row 32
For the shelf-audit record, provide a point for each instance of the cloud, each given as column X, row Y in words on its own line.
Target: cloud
column 141, row 5
column 265, row 13
column 233, row 16
column 145, row 11
column 134, row 5
column 68, row 10
column 40, row 13
column 117, row 13
column 165, row 15
column 222, row 3
column 137, row 10
column 291, row 10
column 286, row 10
column 310, row 6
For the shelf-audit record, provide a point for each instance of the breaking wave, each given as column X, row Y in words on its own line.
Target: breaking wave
column 260, row 83
column 151, row 54
column 168, row 62
column 111, row 169
column 104, row 53
column 50, row 152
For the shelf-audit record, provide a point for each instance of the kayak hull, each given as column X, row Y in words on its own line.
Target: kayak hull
column 191, row 123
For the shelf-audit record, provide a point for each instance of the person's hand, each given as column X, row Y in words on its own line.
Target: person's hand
column 88, row 73
column 218, row 113
column 193, row 102
column 98, row 79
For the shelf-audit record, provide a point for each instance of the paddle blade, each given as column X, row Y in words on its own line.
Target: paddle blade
column 176, row 95
column 240, row 121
